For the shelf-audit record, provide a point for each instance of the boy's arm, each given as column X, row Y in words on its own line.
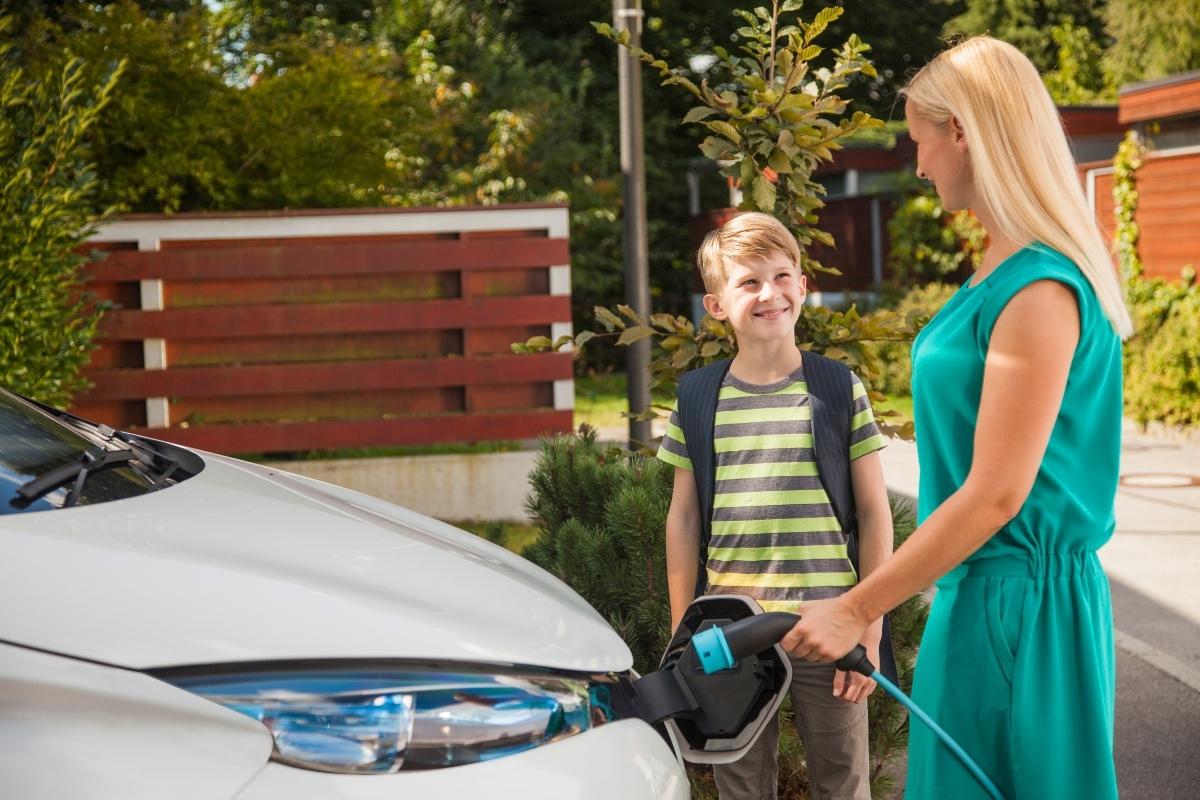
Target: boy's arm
column 683, row 544
column 874, row 548
column 874, row 521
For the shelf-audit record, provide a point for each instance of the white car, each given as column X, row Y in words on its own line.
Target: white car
column 182, row 625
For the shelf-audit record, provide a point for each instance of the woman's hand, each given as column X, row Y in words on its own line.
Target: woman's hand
column 827, row 630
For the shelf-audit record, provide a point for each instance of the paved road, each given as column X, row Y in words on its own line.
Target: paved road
column 1153, row 563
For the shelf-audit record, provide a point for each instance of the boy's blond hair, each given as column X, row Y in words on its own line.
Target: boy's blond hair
column 749, row 235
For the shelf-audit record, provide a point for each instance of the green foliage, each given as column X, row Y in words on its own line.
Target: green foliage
column 1152, row 38
column 929, row 244
column 320, row 115
column 1080, row 77
column 601, row 516
column 774, row 117
column 1126, row 163
column 775, row 123
column 914, row 310
column 1029, row 25
column 47, row 200
column 1162, row 359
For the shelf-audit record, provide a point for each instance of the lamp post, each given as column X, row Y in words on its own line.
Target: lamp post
column 627, row 16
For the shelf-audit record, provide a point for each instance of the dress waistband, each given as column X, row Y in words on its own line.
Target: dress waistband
column 1035, row 565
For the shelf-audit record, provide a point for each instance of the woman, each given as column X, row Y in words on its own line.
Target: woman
column 1017, row 398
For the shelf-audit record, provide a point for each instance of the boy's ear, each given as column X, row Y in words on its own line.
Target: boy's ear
column 803, row 281
column 712, row 304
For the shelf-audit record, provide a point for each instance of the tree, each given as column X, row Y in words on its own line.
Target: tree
column 1027, row 24
column 47, row 195
column 1152, row 39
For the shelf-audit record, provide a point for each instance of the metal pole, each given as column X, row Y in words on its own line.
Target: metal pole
column 627, row 16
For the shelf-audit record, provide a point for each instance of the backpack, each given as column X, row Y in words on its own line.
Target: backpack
column 830, row 389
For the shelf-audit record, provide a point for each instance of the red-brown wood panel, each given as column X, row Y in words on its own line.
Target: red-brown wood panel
column 499, row 341
column 117, row 413
column 276, row 438
column 1168, row 208
column 313, row 407
column 511, row 397
column 329, row 289
column 1168, row 99
column 506, row 283
column 354, row 347
column 225, row 260
column 230, row 381
column 194, row 323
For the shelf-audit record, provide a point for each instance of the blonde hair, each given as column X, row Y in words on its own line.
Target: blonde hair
column 748, row 235
column 1023, row 168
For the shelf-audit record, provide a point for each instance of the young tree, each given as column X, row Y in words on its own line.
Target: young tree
column 47, row 211
column 1152, row 38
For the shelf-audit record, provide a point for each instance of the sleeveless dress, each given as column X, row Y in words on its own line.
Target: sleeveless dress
column 1017, row 659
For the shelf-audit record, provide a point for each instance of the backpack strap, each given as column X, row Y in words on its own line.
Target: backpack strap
column 831, row 390
column 697, row 402
column 831, row 393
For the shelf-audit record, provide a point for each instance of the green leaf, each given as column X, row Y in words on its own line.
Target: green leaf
column 764, row 194
column 779, row 162
column 710, row 349
column 630, row 314
column 634, row 334
column 608, row 319
column 725, row 129
column 698, row 113
column 716, row 148
column 583, row 337
column 538, row 343
column 664, row 322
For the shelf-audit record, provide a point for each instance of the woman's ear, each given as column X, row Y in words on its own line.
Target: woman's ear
column 712, row 304
column 957, row 134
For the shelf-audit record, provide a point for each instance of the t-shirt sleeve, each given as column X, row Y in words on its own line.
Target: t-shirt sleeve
column 673, row 448
column 864, row 432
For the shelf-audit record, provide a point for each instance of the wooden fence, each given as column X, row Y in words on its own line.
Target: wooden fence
column 1168, row 186
column 291, row 331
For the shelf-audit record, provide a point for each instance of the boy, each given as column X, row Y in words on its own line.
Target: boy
column 774, row 534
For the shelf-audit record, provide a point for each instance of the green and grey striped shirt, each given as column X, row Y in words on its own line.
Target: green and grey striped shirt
column 774, row 534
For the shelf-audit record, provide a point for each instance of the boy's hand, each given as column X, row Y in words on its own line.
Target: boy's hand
column 854, row 687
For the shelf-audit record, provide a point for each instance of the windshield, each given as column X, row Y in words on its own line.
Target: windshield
column 32, row 443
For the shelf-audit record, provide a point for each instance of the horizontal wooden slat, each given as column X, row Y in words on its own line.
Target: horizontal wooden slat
column 356, row 347
column 196, row 323
column 285, row 261
column 276, row 438
column 320, row 407
column 339, row 289
column 313, row 378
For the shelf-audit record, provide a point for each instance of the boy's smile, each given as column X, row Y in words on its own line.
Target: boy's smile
column 761, row 297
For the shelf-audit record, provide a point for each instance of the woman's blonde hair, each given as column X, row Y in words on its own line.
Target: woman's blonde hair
column 750, row 234
column 1024, row 171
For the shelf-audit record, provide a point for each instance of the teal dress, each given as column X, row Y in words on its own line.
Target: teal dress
column 1017, row 659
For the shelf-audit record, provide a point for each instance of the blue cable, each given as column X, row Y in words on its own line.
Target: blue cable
column 966, row 760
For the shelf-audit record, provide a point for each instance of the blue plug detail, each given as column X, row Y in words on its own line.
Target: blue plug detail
column 713, row 650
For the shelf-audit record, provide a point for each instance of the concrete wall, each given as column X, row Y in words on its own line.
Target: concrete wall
column 482, row 486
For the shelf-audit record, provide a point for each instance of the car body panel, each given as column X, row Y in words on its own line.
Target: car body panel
column 245, row 563
column 623, row 760
column 71, row 728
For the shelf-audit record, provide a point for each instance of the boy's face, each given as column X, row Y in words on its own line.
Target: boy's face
column 761, row 297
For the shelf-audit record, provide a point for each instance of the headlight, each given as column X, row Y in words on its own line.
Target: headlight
column 371, row 722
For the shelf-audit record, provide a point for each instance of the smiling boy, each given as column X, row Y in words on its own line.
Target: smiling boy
column 767, row 529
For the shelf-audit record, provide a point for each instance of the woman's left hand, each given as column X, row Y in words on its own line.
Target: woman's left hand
column 827, row 630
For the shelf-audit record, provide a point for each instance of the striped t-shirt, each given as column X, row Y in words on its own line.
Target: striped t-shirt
column 774, row 534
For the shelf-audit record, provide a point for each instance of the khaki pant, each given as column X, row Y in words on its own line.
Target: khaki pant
column 835, row 743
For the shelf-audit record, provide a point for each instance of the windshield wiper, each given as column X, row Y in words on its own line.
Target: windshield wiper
column 93, row 459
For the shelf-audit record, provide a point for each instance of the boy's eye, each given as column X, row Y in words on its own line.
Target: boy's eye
column 783, row 275
column 749, row 281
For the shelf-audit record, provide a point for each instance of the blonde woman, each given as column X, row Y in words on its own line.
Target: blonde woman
column 1017, row 398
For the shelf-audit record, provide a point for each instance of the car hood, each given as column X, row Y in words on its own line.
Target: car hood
column 245, row 563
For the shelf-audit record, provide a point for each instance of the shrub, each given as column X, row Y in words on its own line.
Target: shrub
column 916, row 307
column 601, row 515
column 1162, row 359
column 47, row 189
column 929, row 244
